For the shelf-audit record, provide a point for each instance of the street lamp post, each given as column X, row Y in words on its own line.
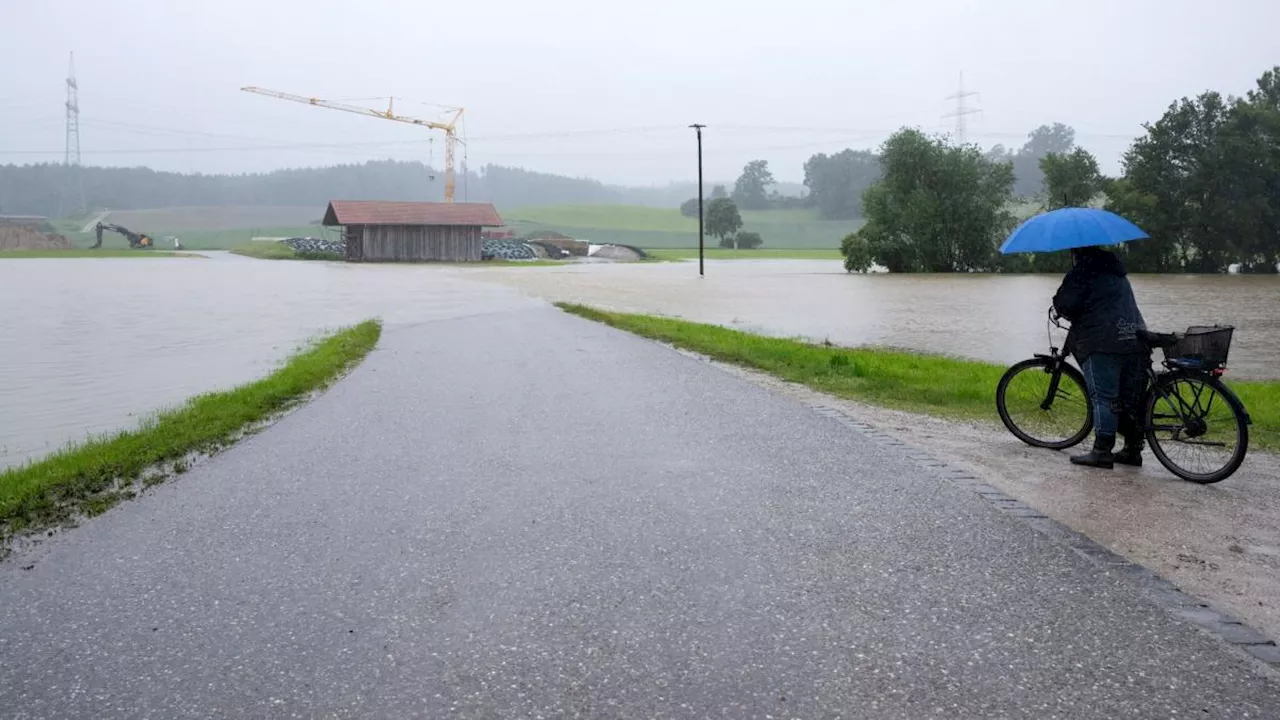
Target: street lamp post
column 701, row 268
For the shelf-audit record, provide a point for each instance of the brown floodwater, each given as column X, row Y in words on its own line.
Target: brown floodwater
column 91, row 346
column 1000, row 318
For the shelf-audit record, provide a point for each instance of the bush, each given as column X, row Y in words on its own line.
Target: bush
column 689, row 208
column 857, row 254
column 749, row 240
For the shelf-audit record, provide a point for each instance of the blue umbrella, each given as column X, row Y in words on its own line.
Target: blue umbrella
column 1070, row 228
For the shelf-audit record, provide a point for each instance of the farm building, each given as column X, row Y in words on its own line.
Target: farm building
column 374, row 231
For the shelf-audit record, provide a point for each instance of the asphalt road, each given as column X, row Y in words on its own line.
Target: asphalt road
column 523, row 514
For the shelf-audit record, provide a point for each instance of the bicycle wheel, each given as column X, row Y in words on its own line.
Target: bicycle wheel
column 1035, row 418
column 1197, row 428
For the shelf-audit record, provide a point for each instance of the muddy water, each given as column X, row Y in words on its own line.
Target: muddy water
column 997, row 318
column 90, row 346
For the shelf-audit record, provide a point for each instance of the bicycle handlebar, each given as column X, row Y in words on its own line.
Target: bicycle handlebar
column 1057, row 319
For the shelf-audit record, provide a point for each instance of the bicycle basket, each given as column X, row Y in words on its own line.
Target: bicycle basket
column 1206, row 345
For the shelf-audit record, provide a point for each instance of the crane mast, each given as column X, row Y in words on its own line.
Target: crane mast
column 449, row 127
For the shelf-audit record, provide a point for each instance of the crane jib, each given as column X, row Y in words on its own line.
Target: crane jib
column 449, row 128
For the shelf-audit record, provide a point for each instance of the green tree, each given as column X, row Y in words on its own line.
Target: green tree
column 751, row 191
column 723, row 220
column 857, row 256
column 689, row 208
column 836, row 182
column 1250, row 146
column 938, row 208
column 745, row 240
column 1204, row 182
column 1071, row 179
column 1044, row 140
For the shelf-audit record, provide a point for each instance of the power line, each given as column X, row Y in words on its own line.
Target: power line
column 962, row 111
column 71, row 157
column 231, row 148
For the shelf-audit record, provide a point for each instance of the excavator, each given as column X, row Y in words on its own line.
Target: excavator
column 137, row 241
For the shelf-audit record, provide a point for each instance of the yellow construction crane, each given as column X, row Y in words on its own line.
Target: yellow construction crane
column 449, row 127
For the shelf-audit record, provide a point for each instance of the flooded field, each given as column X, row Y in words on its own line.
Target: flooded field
column 989, row 317
column 89, row 346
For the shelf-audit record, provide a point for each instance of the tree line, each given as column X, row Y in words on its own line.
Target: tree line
column 37, row 189
column 1203, row 181
column 834, row 184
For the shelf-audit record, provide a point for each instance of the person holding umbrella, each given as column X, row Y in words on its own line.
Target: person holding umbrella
column 1098, row 300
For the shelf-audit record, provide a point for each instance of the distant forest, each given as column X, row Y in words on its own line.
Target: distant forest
column 36, row 189
column 833, row 184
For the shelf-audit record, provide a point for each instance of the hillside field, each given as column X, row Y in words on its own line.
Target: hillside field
column 227, row 217
column 222, row 228
column 666, row 228
column 204, row 227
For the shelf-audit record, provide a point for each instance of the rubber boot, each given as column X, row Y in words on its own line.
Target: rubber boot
column 1100, row 456
column 1131, row 453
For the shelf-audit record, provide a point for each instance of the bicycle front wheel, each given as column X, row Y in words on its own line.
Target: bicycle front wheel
column 1039, row 413
column 1198, row 429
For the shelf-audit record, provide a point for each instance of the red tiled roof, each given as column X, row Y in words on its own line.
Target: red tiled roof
column 373, row 212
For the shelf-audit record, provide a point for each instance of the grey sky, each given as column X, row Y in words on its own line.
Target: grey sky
column 778, row 80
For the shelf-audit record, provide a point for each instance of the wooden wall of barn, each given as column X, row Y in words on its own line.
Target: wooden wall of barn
column 413, row 243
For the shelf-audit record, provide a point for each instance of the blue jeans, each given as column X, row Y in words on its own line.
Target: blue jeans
column 1115, row 386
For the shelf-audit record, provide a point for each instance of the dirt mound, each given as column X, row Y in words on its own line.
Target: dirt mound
column 547, row 235
column 617, row 252
column 569, row 245
column 22, row 238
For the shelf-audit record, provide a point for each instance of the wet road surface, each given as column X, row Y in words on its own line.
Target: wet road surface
column 523, row 514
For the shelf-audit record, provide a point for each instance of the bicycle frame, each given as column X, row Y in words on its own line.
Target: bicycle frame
column 1190, row 415
column 1056, row 359
column 1176, row 407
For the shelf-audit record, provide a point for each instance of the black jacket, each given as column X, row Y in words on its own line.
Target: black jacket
column 1098, row 300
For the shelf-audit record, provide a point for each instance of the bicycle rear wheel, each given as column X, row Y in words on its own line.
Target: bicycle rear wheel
column 1037, row 417
column 1197, row 428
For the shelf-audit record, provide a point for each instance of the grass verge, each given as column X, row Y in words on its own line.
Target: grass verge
column 932, row 384
column 85, row 253
column 280, row 251
column 93, row 476
column 756, row 254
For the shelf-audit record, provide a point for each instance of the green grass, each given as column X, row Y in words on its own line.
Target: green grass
column 932, row 384
column 91, row 476
column 649, row 227
column 85, row 253
column 1262, row 400
column 618, row 217
column 280, row 251
column 764, row 253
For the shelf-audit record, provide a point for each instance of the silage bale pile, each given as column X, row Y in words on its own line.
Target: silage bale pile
column 316, row 245
column 507, row 250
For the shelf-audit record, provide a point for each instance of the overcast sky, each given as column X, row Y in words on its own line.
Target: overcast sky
column 599, row 88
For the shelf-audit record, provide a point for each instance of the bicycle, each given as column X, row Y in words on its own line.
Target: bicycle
column 1045, row 402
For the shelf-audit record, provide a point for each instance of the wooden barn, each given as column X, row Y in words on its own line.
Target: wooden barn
column 375, row 231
